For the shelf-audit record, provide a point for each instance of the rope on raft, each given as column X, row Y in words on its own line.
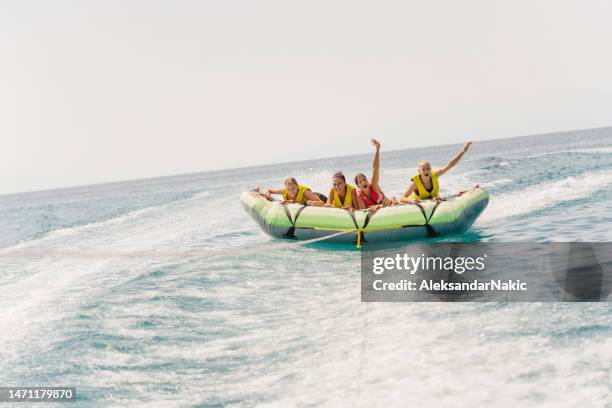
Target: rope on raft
column 358, row 230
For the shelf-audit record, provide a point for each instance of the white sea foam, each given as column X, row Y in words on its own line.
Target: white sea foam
column 546, row 195
column 591, row 150
column 596, row 150
column 497, row 182
column 119, row 219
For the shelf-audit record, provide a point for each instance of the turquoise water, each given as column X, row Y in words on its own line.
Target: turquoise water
column 164, row 292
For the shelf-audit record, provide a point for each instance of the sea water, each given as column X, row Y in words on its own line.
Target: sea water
column 164, row 292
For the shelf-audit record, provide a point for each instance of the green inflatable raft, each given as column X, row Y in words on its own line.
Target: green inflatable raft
column 390, row 224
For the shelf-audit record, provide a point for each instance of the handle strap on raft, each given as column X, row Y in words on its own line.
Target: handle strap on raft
column 431, row 232
column 360, row 231
column 358, row 240
column 290, row 234
column 291, row 231
column 369, row 215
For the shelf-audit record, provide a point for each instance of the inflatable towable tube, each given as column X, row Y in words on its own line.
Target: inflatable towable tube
column 390, row 224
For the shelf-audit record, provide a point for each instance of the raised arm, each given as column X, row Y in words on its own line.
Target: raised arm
column 406, row 196
column 376, row 164
column 454, row 161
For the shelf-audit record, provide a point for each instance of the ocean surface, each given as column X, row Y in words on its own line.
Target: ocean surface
column 164, row 292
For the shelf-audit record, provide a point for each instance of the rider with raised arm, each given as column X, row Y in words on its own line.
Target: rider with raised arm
column 370, row 192
column 425, row 183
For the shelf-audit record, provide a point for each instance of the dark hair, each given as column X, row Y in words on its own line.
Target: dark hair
column 341, row 175
column 359, row 174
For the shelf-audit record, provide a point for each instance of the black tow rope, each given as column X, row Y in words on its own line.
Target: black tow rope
column 431, row 232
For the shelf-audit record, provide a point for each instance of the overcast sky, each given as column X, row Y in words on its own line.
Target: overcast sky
column 96, row 91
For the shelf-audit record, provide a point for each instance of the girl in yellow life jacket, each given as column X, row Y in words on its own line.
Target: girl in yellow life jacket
column 343, row 195
column 424, row 185
column 294, row 193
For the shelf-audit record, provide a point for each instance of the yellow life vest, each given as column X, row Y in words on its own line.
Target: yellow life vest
column 348, row 198
column 421, row 192
column 299, row 197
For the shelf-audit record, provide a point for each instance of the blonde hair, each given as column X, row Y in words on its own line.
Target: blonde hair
column 290, row 180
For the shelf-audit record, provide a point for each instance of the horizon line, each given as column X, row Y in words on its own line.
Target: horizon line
column 280, row 163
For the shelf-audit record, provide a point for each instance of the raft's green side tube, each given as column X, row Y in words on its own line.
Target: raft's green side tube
column 398, row 223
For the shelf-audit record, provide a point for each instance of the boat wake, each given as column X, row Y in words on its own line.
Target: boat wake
column 545, row 195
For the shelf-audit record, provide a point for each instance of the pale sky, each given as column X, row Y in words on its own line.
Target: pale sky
column 97, row 91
